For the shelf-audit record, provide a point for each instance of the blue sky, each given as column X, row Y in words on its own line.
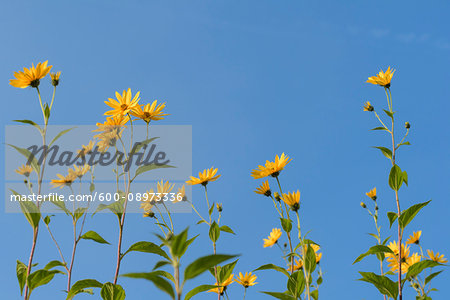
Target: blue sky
column 254, row 79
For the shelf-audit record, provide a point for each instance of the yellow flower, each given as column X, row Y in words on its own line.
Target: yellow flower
column 124, row 103
column 80, row 171
column 164, row 187
column 246, row 280
column 63, row 181
column 221, row 287
column 264, row 189
column 205, row 177
column 148, row 202
column 372, row 194
column 394, row 247
column 382, row 78
column 272, row 239
column 414, row 238
column 55, row 78
column 30, row 77
column 24, row 170
column 86, row 149
column 297, row 265
column 407, row 262
column 107, row 139
column 437, row 257
column 116, row 123
column 271, row 168
column 149, row 112
column 181, row 194
column 292, row 199
column 368, row 106
column 318, row 257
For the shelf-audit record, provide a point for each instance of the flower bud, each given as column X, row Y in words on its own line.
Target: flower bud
column 219, row 207
column 407, row 125
column 277, row 196
column 363, row 205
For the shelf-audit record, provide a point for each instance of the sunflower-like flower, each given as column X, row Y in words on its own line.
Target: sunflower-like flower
column 30, row 77
column 55, row 78
column 392, row 259
column 63, row 181
column 86, row 149
column 272, row 239
column 148, row 202
column 298, row 264
column 414, row 238
column 437, row 257
column 382, row 78
column 149, row 112
column 107, row 139
column 246, row 280
column 292, row 199
column 124, row 104
column 24, row 170
column 222, row 286
column 407, row 262
column 205, row 177
column 271, row 168
column 394, row 247
column 181, row 194
column 367, row 106
column 372, row 194
column 264, row 189
column 79, row 171
column 114, row 123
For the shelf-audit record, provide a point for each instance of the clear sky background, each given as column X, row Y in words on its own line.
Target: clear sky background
column 254, row 79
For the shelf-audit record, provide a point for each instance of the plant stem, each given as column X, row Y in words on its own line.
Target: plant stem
column 287, row 233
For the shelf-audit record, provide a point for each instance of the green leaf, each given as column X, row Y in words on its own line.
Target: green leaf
column 21, row 270
column 141, row 144
column 60, row 135
column 404, row 144
column 395, row 178
column 47, row 219
column 199, row 289
column 225, row 271
column 29, row 122
column 286, row 224
column 40, row 277
column 379, row 128
column 405, row 177
column 160, row 264
column 408, row 215
column 204, row 263
column 115, row 207
column 296, row 284
column 61, row 204
column 82, row 285
column 111, row 291
column 390, row 114
column 149, row 167
column 79, row 212
column 92, row 187
column 418, row 267
column 272, row 267
column 310, row 260
column 25, row 152
column 147, row 247
column 431, row 276
column 46, row 111
column 385, row 285
column 92, row 235
column 392, row 216
column 377, row 249
column 315, row 294
column 53, row 264
column 158, row 281
column 30, row 210
column 282, row 296
column 178, row 243
column 225, row 228
column 211, row 209
column 386, row 152
column 214, row 232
